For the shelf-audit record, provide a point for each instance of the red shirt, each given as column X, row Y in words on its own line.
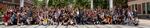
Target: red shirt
column 6, row 18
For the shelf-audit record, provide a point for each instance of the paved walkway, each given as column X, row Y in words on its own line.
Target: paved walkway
column 76, row 26
column 143, row 24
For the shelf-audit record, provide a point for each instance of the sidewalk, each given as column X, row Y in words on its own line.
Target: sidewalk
column 76, row 26
column 142, row 24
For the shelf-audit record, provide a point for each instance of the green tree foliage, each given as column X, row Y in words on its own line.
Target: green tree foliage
column 121, row 3
column 38, row 3
column 82, row 3
column 58, row 3
column 64, row 3
column 101, row 3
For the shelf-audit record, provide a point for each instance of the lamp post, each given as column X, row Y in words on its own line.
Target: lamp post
column 46, row 5
column 110, row 5
column 91, row 4
column 21, row 3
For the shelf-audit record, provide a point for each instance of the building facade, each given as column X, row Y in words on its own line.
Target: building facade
column 141, row 6
column 16, row 2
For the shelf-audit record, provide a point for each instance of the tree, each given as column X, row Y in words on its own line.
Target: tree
column 121, row 3
column 38, row 2
column 58, row 3
column 101, row 3
column 105, row 3
column 81, row 3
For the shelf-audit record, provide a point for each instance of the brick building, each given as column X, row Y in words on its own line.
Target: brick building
column 142, row 7
column 5, row 3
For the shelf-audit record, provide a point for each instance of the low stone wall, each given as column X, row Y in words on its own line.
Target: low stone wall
column 144, row 16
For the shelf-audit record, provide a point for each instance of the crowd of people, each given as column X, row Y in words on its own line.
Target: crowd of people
column 65, row 16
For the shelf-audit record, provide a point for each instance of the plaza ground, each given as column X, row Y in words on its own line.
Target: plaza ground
column 144, row 23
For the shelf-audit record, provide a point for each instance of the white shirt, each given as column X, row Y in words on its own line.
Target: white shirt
column 77, row 12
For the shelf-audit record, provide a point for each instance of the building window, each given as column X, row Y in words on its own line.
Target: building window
column 143, row 8
column 132, row 6
column 139, row 8
column 148, row 7
column 135, row 7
